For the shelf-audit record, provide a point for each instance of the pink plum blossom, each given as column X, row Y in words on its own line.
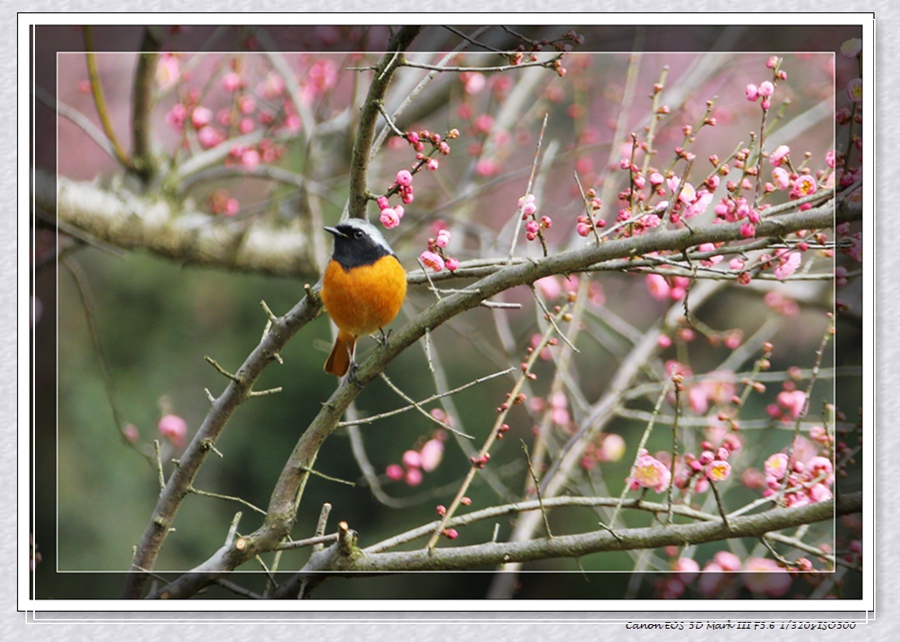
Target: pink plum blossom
column 649, row 472
column 778, row 156
column 389, row 218
column 789, row 264
column 432, row 260
column 168, row 71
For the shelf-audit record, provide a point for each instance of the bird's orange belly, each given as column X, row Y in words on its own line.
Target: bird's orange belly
column 365, row 298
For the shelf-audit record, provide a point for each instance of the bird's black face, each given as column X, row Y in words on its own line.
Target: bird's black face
column 357, row 243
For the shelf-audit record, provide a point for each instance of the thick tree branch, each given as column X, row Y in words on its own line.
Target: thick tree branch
column 142, row 106
column 365, row 135
column 184, row 233
column 602, row 540
column 179, row 232
column 710, row 529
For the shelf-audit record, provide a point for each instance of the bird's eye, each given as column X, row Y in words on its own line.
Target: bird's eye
column 357, row 234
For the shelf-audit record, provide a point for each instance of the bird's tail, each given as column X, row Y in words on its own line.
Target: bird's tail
column 339, row 360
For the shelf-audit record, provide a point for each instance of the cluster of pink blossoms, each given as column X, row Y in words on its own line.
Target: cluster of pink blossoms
column 584, row 223
column 222, row 202
column 725, row 574
column 425, row 459
column 662, row 287
column 809, row 480
column 716, row 389
column 606, row 447
column 789, row 404
column 711, row 465
column 553, row 287
column 734, row 207
column 435, row 257
column 533, row 226
column 766, row 88
column 390, row 216
column 208, row 119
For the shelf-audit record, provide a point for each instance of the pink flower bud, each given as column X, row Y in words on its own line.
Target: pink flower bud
column 231, row 82
column 657, row 286
column 404, row 178
column 246, row 104
column 201, row 116
column 131, row 433
column 727, row 560
column 250, row 159
column 173, row 428
column 431, row 454
column 412, row 459
column 413, row 477
column 209, row 137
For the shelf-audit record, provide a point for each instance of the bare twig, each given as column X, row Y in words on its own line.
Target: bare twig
column 537, row 489
column 100, row 99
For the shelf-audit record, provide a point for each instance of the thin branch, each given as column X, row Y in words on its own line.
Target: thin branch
column 317, row 541
column 100, row 99
column 434, row 397
column 644, row 436
column 548, row 64
column 337, row 480
column 76, row 117
column 222, row 371
column 725, row 520
column 421, row 410
column 87, row 302
column 534, row 166
column 537, row 489
column 479, row 460
column 411, row 95
column 204, row 493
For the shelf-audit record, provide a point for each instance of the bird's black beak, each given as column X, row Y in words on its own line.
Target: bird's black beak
column 335, row 231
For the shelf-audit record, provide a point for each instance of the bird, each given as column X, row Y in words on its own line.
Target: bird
column 363, row 288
